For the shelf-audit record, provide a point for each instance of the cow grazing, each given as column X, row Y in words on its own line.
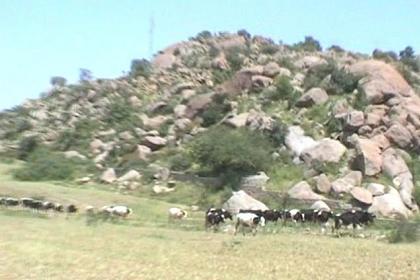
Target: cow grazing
column 58, row 207
column 90, row 210
column 292, row 215
column 34, row 204
column 353, row 217
column 10, row 201
column 269, row 215
column 47, row 205
column 176, row 213
column 71, row 208
column 121, row 211
column 215, row 216
column 248, row 220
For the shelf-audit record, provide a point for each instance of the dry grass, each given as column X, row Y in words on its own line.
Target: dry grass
column 146, row 246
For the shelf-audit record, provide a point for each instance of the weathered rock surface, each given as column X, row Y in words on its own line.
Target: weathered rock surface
column 297, row 142
column 131, row 175
column 327, row 150
column 303, row 191
column 390, row 205
column 376, row 189
column 323, row 184
column 255, row 181
column 315, row 96
column 154, row 142
column 241, row 200
column 362, row 195
column 108, row 176
column 320, row 205
column 348, row 182
column 368, row 156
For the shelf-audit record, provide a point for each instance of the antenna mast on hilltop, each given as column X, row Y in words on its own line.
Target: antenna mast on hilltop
column 151, row 34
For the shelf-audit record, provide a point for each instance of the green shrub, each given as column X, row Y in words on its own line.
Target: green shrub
column 204, row 35
column 78, row 137
column 384, row 56
column 269, row 49
column 317, row 74
column 26, row 146
column 405, row 231
column 342, row 82
column 336, row 48
column 309, row 45
column 284, row 91
column 232, row 152
column 180, row 162
column 360, row 101
column 140, row 67
column 408, row 58
column 220, row 76
column 43, row 165
column 121, row 115
column 58, row 81
column 215, row 112
column 235, row 56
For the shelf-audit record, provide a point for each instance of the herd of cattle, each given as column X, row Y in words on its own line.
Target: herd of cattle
column 255, row 218
column 46, row 206
column 214, row 217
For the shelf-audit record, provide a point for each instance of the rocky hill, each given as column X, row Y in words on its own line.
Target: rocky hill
column 342, row 125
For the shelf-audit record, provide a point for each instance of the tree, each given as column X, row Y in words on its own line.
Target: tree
column 58, row 81
column 140, row 67
column 309, row 45
column 408, row 52
column 244, row 33
column 408, row 58
column 85, row 75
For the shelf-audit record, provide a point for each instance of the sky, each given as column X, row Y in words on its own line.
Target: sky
column 44, row 38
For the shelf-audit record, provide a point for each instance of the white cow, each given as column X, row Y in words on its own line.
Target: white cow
column 121, row 211
column 249, row 220
column 176, row 213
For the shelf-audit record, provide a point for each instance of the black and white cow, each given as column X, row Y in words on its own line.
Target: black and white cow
column 215, row 216
column 271, row 215
column 353, row 217
column 58, row 207
column 292, row 215
column 248, row 220
column 10, row 201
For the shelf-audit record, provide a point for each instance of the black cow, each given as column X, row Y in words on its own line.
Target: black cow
column 354, row 218
column 322, row 216
column 308, row 215
column 47, row 205
column 71, row 208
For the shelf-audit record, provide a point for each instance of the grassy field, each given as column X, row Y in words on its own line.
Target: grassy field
column 146, row 246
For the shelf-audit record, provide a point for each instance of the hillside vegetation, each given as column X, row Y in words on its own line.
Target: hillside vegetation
column 189, row 125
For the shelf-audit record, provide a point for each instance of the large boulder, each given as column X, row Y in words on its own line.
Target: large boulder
column 354, row 120
column 74, row 154
column 259, row 121
column 131, row 175
column 108, row 176
column 237, row 121
column 348, row 182
column 314, row 96
column 297, row 142
column 303, row 191
column 320, row 205
column 259, row 81
column 381, row 81
column 241, row 200
column 271, row 69
column 198, row 103
column 255, row 181
column 154, row 142
column 153, row 123
column 362, row 195
column 142, row 152
column 323, row 184
column 327, row 150
column 368, row 156
column 399, row 135
column 96, row 146
column 390, row 205
column 393, row 164
column 376, row 189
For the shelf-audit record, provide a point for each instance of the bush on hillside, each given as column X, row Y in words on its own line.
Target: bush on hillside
column 317, row 74
column 58, row 81
column 284, row 91
column 26, row 146
column 231, row 153
column 140, row 67
column 384, row 56
column 309, row 45
column 336, row 48
column 77, row 137
column 269, row 49
column 121, row 115
column 85, row 75
column 215, row 112
column 342, row 82
column 43, row 165
column 235, row 57
column 244, row 33
column 406, row 231
column 203, row 35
